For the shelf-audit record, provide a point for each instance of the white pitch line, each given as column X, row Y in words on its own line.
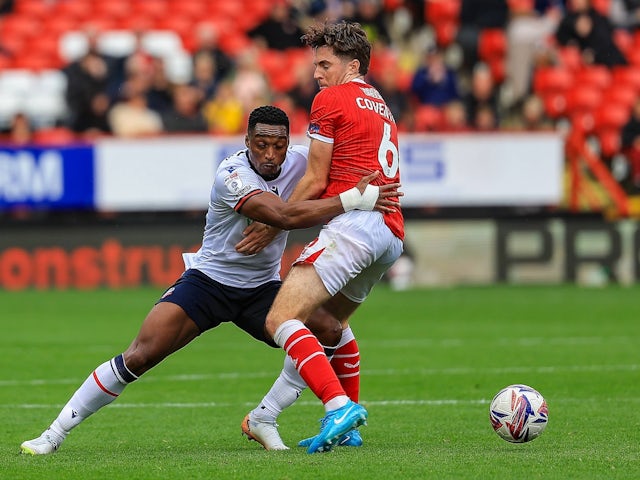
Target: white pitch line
column 374, row 403
column 371, row 373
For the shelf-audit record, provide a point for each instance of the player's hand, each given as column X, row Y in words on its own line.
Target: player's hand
column 256, row 236
column 388, row 195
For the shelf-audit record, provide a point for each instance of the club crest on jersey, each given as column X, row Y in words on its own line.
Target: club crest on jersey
column 234, row 183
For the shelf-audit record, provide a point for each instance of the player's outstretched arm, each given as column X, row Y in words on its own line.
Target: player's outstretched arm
column 272, row 210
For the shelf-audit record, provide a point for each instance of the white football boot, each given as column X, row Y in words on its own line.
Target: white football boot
column 45, row 444
column 264, row 433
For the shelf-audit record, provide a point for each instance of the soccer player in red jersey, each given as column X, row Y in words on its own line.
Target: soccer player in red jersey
column 352, row 132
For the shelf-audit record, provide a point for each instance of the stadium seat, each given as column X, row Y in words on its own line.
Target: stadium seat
column 620, row 94
column 597, row 76
column 445, row 33
column 428, row 118
column 162, row 43
column 492, row 43
column 547, row 80
column 45, row 109
column 627, row 76
column 153, row 9
column 52, row 81
column 72, row 45
column 10, row 104
column 583, row 98
column 438, row 11
column 178, row 67
column 76, row 10
column 114, row 10
column 569, row 57
column 17, row 81
column 117, row 43
column 192, row 9
column 53, row 136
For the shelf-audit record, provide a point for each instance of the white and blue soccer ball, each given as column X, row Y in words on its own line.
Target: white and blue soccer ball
column 518, row 413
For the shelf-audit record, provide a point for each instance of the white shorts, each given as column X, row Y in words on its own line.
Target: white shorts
column 352, row 253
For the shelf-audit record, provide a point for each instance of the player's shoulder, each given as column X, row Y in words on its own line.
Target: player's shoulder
column 233, row 161
column 298, row 150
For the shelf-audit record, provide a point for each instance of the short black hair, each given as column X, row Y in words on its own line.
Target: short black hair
column 346, row 39
column 269, row 115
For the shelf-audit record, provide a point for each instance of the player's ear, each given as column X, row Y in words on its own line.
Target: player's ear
column 246, row 141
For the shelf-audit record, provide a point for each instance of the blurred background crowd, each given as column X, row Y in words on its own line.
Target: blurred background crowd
column 81, row 69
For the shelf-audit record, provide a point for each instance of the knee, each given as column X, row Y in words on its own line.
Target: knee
column 325, row 327
column 139, row 358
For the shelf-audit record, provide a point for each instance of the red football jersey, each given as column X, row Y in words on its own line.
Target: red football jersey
column 355, row 118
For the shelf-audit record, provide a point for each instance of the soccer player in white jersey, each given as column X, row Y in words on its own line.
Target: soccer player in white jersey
column 222, row 284
column 352, row 133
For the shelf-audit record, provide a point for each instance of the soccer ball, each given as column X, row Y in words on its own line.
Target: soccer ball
column 518, row 413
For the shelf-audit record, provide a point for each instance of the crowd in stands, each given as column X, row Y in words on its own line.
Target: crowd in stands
column 442, row 65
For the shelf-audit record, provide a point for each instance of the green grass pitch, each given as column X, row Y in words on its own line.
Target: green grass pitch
column 431, row 361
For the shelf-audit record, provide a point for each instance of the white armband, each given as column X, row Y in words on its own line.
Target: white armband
column 353, row 200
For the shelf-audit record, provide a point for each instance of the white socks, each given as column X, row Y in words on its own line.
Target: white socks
column 101, row 388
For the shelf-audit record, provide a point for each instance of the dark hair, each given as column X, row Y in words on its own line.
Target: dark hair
column 268, row 115
column 347, row 39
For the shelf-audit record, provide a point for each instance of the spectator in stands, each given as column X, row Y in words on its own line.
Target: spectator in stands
column 204, row 75
column 250, row 84
column 20, row 130
column 159, row 96
column 206, row 41
column 131, row 116
column 590, row 31
column 527, row 34
column 185, row 116
column 455, row 117
column 280, row 30
column 386, row 82
column 482, row 95
column 86, row 94
column 476, row 15
column 6, row 7
column 224, row 113
column 434, row 82
column 370, row 14
column 305, row 88
column 630, row 142
column 485, row 119
column 532, row 116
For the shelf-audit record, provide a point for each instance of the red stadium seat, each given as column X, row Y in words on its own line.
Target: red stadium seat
column 54, row 136
column 492, row 43
column 570, row 57
column 428, row 118
column 626, row 75
column 445, row 33
column 547, row 80
column 597, row 76
column 583, row 98
column 438, row 11
column 114, row 10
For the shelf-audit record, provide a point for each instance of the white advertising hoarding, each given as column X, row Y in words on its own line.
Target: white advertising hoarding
column 502, row 169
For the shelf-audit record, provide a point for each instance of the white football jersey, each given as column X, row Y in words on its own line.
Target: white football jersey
column 234, row 183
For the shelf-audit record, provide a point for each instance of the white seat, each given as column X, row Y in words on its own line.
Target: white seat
column 17, row 81
column 162, row 43
column 10, row 104
column 178, row 67
column 72, row 46
column 117, row 43
column 52, row 81
column 45, row 109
